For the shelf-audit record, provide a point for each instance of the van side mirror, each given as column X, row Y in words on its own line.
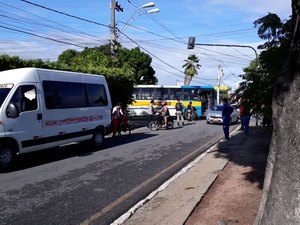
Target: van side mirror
column 12, row 110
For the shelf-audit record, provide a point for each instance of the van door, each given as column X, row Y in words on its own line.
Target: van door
column 26, row 127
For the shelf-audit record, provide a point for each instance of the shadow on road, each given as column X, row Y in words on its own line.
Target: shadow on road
column 73, row 150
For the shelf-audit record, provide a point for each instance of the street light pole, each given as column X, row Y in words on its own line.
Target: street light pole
column 139, row 11
column 113, row 7
column 220, row 74
column 113, row 26
column 227, row 45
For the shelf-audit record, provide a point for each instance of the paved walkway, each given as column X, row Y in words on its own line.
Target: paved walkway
column 175, row 201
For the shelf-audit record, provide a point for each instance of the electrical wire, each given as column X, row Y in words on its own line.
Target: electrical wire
column 66, row 14
column 178, row 39
column 36, row 35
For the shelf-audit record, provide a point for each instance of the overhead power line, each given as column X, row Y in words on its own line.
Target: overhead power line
column 66, row 14
column 51, row 21
column 40, row 36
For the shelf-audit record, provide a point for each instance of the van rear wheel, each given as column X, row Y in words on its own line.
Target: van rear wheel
column 98, row 138
column 7, row 155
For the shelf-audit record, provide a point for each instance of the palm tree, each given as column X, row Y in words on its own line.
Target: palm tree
column 191, row 66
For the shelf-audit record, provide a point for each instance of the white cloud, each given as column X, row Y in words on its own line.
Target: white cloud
column 280, row 7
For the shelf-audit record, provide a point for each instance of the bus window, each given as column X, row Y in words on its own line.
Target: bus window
column 175, row 93
column 159, row 94
column 136, row 94
column 147, row 93
column 166, row 94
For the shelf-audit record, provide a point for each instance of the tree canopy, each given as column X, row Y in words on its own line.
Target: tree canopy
column 280, row 199
column 258, row 86
column 191, row 67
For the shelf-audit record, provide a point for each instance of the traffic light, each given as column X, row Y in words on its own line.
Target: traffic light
column 191, row 42
column 119, row 7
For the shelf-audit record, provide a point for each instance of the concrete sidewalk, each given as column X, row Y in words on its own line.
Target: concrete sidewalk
column 174, row 202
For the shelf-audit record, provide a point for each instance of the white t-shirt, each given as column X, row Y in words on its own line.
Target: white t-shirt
column 117, row 112
column 150, row 109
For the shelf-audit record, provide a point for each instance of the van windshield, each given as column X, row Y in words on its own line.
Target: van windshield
column 4, row 90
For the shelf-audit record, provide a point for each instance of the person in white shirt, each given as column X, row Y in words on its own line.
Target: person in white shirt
column 117, row 114
column 151, row 111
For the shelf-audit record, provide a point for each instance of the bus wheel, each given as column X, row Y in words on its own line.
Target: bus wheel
column 7, row 155
column 98, row 138
column 193, row 115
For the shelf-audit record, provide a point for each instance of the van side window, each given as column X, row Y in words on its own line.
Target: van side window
column 48, row 94
column 96, row 95
column 69, row 94
column 61, row 95
column 25, row 98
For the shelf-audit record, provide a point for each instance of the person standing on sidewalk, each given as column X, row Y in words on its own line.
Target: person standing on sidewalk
column 226, row 112
column 245, row 114
column 179, row 109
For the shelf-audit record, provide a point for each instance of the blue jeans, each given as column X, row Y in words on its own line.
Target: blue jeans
column 226, row 122
column 245, row 123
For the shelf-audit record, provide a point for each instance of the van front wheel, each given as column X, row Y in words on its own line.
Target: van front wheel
column 7, row 155
column 98, row 138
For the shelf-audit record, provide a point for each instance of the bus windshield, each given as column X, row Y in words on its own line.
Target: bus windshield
column 4, row 90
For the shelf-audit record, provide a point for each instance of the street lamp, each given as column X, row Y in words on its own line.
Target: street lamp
column 140, row 11
column 220, row 75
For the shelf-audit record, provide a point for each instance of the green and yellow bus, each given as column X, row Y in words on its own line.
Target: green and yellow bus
column 202, row 97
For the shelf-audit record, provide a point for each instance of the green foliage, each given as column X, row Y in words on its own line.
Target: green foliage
column 191, row 67
column 140, row 63
column 258, row 86
column 66, row 57
column 10, row 62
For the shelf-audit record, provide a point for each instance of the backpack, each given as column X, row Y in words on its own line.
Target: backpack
column 178, row 106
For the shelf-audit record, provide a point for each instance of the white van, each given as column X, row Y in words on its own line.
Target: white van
column 41, row 108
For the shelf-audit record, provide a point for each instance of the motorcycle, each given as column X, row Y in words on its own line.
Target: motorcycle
column 158, row 121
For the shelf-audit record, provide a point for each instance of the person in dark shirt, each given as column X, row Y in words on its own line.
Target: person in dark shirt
column 189, row 111
column 245, row 114
column 226, row 112
column 179, row 108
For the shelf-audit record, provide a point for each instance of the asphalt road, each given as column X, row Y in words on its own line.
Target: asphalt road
column 80, row 185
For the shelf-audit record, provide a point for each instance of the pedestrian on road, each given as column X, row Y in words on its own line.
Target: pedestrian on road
column 189, row 111
column 165, row 112
column 226, row 112
column 245, row 114
column 179, row 114
column 151, row 111
column 117, row 114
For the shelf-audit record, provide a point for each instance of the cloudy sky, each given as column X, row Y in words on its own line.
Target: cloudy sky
column 43, row 29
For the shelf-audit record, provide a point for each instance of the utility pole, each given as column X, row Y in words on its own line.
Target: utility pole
column 113, row 7
column 220, row 74
column 113, row 27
